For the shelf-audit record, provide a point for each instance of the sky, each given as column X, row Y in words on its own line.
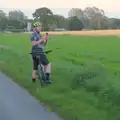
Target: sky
column 111, row 7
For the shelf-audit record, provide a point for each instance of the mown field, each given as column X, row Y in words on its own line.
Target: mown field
column 85, row 74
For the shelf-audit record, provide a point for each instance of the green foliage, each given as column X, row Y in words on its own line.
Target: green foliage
column 45, row 16
column 114, row 23
column 3, row 20
column 16, row 15
column 75, row 24
column 60, row 21
column 16, row 24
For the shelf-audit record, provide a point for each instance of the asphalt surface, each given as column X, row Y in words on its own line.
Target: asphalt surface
column 17, row 104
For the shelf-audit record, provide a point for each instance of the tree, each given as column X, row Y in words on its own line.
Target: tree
column 91, row 17
column 16, row 15
column 45, row 16
column 96, row 17
column 60, row 21
column 17, row 20
column 79, row 13
column 114, row 23
column 2, row 14
column 3, row 20
column 75, row 24
column 16, row 24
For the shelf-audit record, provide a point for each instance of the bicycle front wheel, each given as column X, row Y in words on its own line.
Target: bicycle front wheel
column 41, row 75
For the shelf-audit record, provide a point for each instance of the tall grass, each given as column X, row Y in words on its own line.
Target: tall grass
column 85, row 74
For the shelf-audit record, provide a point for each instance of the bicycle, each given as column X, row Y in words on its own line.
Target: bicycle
column 40, row 70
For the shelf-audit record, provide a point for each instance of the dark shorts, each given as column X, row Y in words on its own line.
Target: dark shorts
column 43, row 60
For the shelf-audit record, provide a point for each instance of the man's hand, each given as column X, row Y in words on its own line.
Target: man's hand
column 45, row 38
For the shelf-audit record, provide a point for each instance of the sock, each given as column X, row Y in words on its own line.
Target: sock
column 47, row 76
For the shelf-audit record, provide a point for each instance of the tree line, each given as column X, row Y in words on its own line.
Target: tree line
column 15, row 20
column 91, row 18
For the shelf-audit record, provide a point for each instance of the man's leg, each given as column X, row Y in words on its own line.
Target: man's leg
column 34, row 75
column 35, row 66
column 47, row 65
column 48, row 68
column 48, row 72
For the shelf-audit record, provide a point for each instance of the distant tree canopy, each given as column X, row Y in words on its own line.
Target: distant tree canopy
column 49, row 20
column 59, row 21
column 114, row 23
column 91, row 17
column 45, row 16
column 16, row 15
column 78, row 19
column 3, row 20
column 75, row 24
column 17, row 19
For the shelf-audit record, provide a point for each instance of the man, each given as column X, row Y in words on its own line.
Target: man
column 38, row 42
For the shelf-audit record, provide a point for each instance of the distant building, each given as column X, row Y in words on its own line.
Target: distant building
column 29, row 26
column 60, row 29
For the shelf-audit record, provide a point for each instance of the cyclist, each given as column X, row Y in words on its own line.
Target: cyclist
column 38, row 43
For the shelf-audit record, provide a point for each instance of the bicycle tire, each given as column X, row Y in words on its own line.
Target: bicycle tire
column 41, row 75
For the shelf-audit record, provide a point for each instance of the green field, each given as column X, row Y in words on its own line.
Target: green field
column 85, row 74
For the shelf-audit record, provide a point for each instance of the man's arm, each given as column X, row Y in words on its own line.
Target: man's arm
column 37, row 42
column 45, row 39
column 33, row 40
column 41, row 41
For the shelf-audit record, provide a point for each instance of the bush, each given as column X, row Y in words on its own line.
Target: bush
column 16, row 30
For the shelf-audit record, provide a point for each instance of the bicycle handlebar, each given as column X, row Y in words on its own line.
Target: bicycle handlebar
column 38, row 52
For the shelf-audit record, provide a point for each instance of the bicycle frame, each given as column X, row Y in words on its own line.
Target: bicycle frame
column 41, row 71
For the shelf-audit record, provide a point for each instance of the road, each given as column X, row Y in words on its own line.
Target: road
column 17, row 104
